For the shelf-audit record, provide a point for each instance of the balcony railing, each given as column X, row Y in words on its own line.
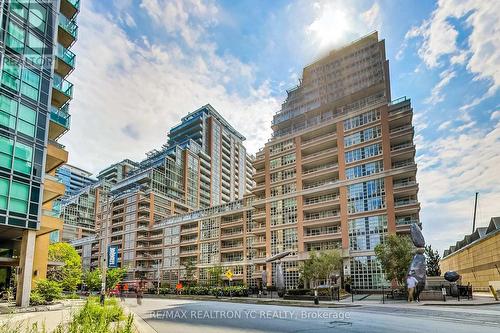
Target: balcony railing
column 406, row 222
column 319, row 199
column 63, row 86
column 404, row 183
column 68, row 25
column 320, row 183
column 404, row 202
column 320, row 167
column 321, row 215
column 402, row 164
column 400, row 128
column 61, row 116
column 65, row 55
column 402, row 146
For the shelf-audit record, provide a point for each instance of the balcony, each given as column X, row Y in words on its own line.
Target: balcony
column 56, row 156
column 60, row 121
column 321, row 202
column 404, row 164
column 52, row 189
column 69, row 8
column 65, row 61
column 62, row 91
column 403, row 147
column 404, row 185
column 67, row 31
column 318, row 170
column 320, row 154
column 319, row 183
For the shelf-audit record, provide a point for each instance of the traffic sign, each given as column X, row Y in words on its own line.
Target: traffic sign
column 229, row 275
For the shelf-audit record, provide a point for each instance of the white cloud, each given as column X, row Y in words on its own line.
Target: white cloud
column 188, row 18
column 436, row 93
column 495, row 115
column 129, row 93
column 457, row 166
column 445, row 125
column 439, row 37
column 372, row 17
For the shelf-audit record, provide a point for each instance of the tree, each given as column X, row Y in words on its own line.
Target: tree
column 93, row 279
column 48, row 290
column 320, row 267
column 69, row 275
column 114, row 276
column 433, row 259
column 395, row 256
column 190, row 267
column 215, row 275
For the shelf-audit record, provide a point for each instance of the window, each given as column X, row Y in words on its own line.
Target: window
column 364, row 169
column 15, row 37
column 367, row 232
column 19, row 194
column 37, row 13
column 4, row 193
column 361, row 119
column 366, row 196
column 362, row 136
column 6, row 147
column 8, row 110
column 363, row 152
column 26, row 121
column 22, row 154
column 27, row 82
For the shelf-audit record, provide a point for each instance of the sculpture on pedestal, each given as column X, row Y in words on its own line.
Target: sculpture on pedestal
column 417, row 267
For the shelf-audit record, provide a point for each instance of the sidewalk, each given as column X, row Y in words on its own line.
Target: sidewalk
column 346, row 302
column 47, row 316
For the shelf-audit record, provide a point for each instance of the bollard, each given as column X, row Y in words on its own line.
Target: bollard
column 383, row 295
column 352, row 294
column 316, row 299
column 338, row 294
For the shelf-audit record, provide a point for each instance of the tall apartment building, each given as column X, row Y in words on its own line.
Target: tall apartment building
column 73, row 178
column 203, row 163
column 35, row 60
column 78, row 208
column 339, row 171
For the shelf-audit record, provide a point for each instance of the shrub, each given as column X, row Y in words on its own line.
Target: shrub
column 96, row 318
column 36, row 298
column 48, row 290
column 298, row 292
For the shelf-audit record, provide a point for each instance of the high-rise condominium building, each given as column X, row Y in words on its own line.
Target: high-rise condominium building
column 78, row 208
column 339, row 171
column 204, row 163
column 35, row 60
column 73, row 178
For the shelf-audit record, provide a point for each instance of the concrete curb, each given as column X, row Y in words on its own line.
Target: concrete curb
column 43, row 308
column 465, row 303
column 141, row 326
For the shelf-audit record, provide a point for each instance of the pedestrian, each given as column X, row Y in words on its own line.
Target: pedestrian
column 122, row 295
column 411, row 282
column 139, row 296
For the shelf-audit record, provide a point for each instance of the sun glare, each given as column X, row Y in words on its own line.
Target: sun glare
column 329, row 27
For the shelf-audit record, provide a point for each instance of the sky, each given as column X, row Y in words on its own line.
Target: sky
column 143, row 64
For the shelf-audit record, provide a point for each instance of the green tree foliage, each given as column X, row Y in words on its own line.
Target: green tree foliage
column 114, row 276
column 69, row 275
column 320, row 267
column 48, row 290
column 433, row 259
column 190, row 267
column 215, row 275
column 395, row 256
column 93, row 279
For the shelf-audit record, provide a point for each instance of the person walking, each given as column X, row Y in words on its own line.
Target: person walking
column 411, row 283
column 139, row 296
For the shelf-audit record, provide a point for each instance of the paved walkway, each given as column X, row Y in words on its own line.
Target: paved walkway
column 48, row 319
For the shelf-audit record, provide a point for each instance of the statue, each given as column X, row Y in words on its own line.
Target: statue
column 417, row 267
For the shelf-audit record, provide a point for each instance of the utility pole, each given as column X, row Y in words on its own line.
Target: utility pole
column 475, row 209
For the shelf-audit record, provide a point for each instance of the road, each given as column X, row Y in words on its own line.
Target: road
column 171, row 315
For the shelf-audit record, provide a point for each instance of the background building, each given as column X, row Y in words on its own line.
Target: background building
column 477, row 257
column 73, row 178
column 34, row 102
column 203, row 163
